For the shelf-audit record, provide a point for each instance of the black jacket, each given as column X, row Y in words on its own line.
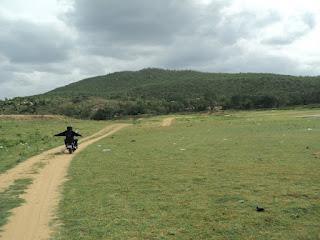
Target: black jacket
column 68, row 134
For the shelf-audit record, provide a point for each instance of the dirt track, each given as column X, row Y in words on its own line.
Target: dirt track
column 30, row 117
column 167, row 122
column 31, row 220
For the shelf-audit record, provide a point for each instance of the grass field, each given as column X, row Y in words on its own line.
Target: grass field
column 21, row 139
column 201, row 178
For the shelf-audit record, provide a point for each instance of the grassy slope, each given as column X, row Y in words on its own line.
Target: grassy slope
column 149, row 187
column 22, row 139
column 173, row 85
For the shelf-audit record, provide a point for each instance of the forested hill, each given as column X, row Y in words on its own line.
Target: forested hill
column 157, row 91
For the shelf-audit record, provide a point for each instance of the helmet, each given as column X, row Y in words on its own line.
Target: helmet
column 69, row 128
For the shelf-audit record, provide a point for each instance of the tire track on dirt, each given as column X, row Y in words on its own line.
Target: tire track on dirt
column 31, row 220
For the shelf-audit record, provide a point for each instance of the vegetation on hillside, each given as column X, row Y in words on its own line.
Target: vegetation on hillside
column 157, row 91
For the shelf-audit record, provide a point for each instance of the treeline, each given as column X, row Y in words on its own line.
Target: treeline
column 198, row 105
column 157, row 91
column 101, row 109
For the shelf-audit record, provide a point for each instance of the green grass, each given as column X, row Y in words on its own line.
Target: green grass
column 10, row 198
column 21, row 139
column 199, row 179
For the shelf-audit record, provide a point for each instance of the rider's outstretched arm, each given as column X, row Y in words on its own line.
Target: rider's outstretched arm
column 77, row 134
column 61, row 134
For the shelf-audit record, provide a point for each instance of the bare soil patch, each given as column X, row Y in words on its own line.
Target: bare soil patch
column 167, row 122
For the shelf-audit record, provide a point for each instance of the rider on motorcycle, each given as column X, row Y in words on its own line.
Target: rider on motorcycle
column 69, row 134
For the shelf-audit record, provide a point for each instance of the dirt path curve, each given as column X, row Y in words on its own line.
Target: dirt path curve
column 31, row 220
column 167, row 122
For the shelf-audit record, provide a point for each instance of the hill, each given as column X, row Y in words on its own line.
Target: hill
column 158, row 91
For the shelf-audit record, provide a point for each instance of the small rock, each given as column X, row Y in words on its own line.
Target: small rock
column 106, row 150
column 241, row 201
column 182, row 149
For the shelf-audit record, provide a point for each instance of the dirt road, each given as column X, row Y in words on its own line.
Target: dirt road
column 30, row 117
column 31, row 220
column 167, row 122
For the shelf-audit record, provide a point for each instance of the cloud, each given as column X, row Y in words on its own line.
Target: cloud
column 291, row 29
column 28, row 42
column 264, row 63
column 197, row 53
column 243, row 25
column 137, row 28
column 134, row 22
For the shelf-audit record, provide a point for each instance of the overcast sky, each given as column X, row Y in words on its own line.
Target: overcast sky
column 49, row 43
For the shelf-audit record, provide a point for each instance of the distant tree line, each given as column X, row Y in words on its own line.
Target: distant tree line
column 101, row 109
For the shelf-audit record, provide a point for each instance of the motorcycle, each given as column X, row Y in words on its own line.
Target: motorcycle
column 71, row 146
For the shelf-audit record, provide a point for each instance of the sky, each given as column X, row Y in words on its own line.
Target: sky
column 45, row 44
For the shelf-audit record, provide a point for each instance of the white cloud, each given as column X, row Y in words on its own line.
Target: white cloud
column 35, row 10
